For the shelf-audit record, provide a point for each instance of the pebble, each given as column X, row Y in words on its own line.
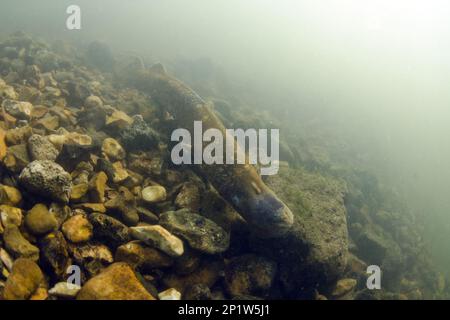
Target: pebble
column 40, row 221
column 169, row 294
column 250, row 275
column 158, row 237
column 343, row 286
column 112, row 148
column 40, row 148
column 18, row 109
column 77, row 229
column 117, row 282
column 140, row 256
column 97, row 187
column 24, row 280
column 64, row 290
column 139, row 135
column 10, row 215
column 201, row 233
column 110, row 230
column 153, row 194
column 94, row 257
column 10, row 196
column 48, row 179
column 78, row 192
column 17, row 245
column 54, row 254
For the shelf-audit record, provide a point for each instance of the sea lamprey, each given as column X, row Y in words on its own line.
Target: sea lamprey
column 239, row 184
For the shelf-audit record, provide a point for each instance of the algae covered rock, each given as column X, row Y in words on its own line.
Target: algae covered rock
column 139, row 135
column 201, row 233
column 40, row 148
column 17, row 245
column 54, row 254
column 40, row 221
column 24, row 280
column 47, row 179
column 314, row 252
column 250, row 275
column 343, row 287
column 140, row 256
column 108, row 229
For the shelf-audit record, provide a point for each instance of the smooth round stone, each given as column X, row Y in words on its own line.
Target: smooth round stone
column 153, row 194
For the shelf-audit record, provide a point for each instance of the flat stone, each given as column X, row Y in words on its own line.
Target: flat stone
column 140, row 256
column 158, row 237
column 201, row 233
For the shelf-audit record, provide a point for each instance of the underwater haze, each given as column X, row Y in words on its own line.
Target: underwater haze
column 358, row 88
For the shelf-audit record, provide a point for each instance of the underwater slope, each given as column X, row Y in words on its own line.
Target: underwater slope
column 86, row 181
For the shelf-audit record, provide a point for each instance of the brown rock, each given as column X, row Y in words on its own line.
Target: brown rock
column 343, row 287
column 23, row 281
column 93, row 257
column 40, row 294
column 97, row 187
column 18, row 135
column 3, row 146
column 118, row 120
column 54, row 254
column 207, row 274
column 140, row 256
column 112, row 148
column 120, row 173
column 40, row 221
column 10, row 195
column 188, row 197
column 16, row 158
column 117, row 282
column 249, row 275
column 50, row 123
column 17, row 245
column 10, row 215
column 92, row 207
column 77, row 229
column 78, row 192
